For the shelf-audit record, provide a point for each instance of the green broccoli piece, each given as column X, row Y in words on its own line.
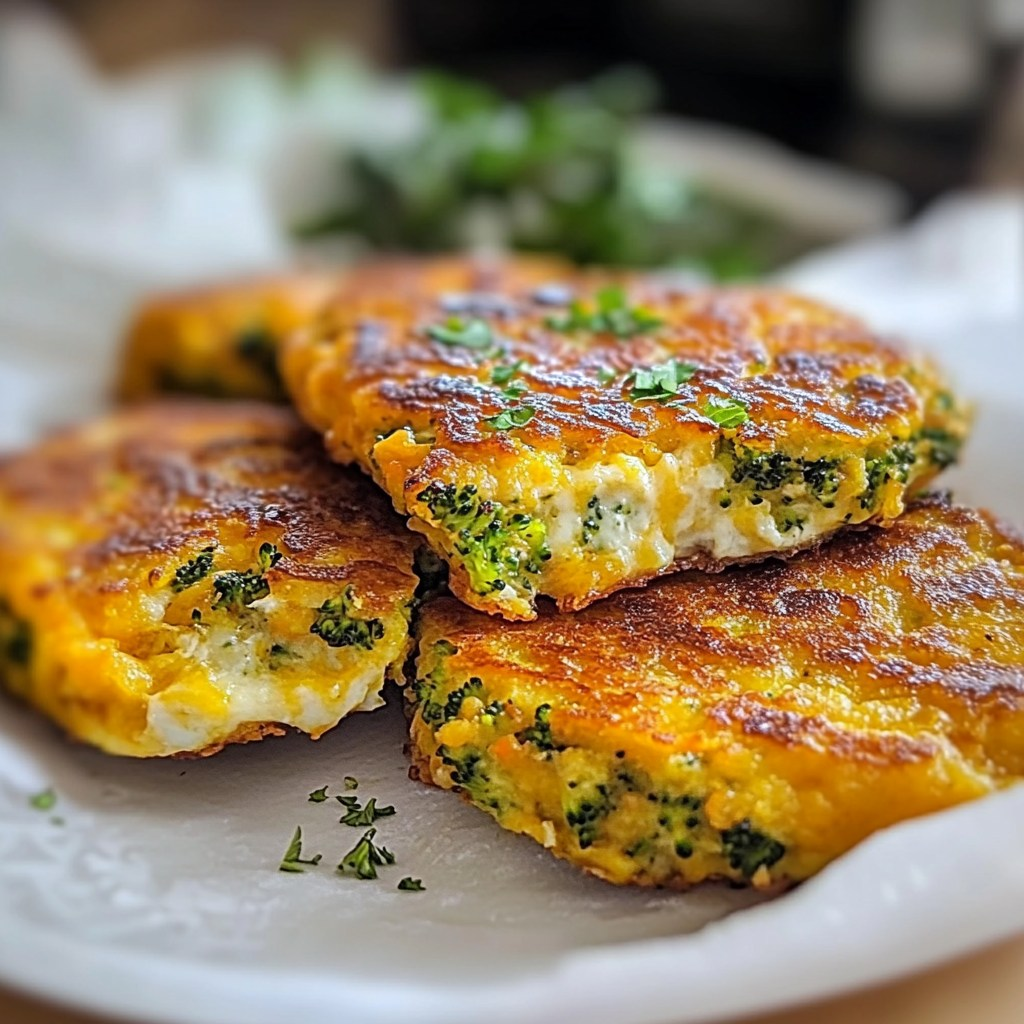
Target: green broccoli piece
column 258, row 347
column 942, row 447
column 194, row 570
column 821, row 477
column 769, row 471
column 237, row 590
column 539, row 734
column 746, row 849
column 338, row 626
column 585, row 817
column 470, row 773
column 893, row 465
column 496, row 547
column 15, row 637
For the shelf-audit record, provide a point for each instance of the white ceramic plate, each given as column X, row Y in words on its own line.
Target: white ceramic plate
column 158, row 895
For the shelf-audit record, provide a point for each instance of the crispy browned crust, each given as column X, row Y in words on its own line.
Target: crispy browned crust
column 825, row 371
column 190, row 468
column 251, row 732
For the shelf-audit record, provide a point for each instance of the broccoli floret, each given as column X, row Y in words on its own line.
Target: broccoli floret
column 789, row 521
column 258, row 347
column 426, row 686
column 194, row 570
column 769, row 471
column 539, row 734
column 821, row 477
column 585, row 817
column 453, row 705
column 237, row 590
column 943, row 448
column 15, row 637
column 465, row 767
column 893, row 465
column 746, row 849
column 338, row 626
column 496, row 547
column 470, row 773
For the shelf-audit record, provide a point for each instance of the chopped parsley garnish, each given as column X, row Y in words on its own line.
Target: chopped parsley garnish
column 611, row 314
column 365, row 857
column 363, row 816
column 605, row 375
column 456, row 331
column 293, row 860
column 351, row 782
column 504, row 372
column 348, row 801
column 660, row 382
column 408, row 884
column 189, row 574
column 510, row 419
column 44, row 801
column 725, row 412
column 318, row 796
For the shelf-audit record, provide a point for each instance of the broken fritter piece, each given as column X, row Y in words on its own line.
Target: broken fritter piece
column 185, row 575
column 752, row 725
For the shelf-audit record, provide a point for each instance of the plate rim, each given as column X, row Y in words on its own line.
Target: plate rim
column 910, row 931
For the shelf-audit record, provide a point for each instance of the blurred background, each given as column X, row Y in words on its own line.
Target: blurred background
column 868, row 151
column 730, row 135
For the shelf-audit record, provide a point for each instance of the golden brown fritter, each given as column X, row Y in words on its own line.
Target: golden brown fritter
column 752, row 725
column 219, row 341
column 184, row 575
column 222, row 341
column 545, row 445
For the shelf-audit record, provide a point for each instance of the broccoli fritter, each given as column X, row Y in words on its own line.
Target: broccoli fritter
column 752, row 725
column 186, row 575
column 221, row 341
column 570, row 440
